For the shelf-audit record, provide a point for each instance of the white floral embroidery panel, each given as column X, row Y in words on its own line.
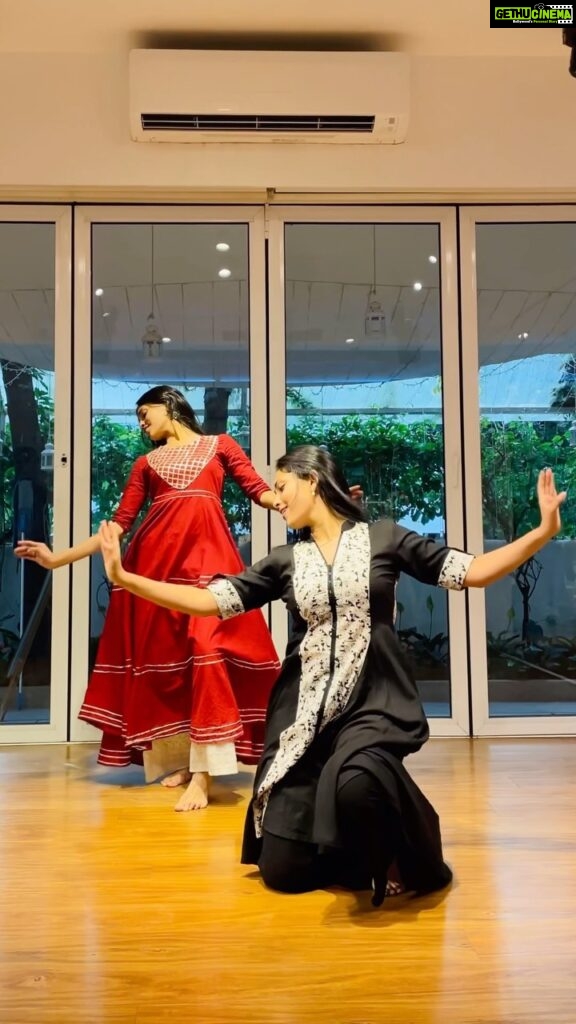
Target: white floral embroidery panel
column 334, row 647
column 226, row 597
column 180, row 464
column 454, row 569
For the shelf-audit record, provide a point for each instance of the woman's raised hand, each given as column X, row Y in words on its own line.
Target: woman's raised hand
column 549, row 500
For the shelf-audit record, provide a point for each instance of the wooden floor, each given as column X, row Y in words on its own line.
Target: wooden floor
column 116, row 910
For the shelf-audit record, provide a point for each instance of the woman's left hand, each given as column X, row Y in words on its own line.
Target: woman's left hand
column 110, row 548
column 549, row 501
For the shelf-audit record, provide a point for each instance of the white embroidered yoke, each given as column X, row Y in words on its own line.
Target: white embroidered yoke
column 180, row 464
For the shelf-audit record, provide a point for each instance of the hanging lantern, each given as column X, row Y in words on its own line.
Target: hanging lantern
column 47, row 458
column 152, row 339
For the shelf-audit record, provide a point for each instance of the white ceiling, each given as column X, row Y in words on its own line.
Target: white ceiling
column 445, row 27
column 526, row 276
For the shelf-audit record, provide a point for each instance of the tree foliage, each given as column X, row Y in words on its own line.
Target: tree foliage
column 564, row 394
column 399, row 464
column 114, row 450
column 513, row 453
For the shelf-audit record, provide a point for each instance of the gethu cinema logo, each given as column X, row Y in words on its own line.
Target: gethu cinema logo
column 556, row 15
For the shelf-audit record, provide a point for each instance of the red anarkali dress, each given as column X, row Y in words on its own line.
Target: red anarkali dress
column 160, row 673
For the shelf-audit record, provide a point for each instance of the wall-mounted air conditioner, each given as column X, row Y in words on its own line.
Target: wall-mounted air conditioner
column 268, row 96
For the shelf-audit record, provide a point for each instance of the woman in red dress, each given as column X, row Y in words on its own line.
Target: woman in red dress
column 184, row 696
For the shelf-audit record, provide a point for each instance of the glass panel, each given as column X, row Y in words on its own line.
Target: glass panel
column 26, row 462
column 364, row 378
column 527, row 343
column 170, row 306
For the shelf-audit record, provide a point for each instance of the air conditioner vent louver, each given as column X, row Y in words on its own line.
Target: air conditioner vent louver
column 258, row 122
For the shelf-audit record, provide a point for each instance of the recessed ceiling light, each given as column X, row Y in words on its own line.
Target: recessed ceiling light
column 224, row 272
column 166, row 340
column 432, row 259
column 523, row 335
column 222, row 246
column 99, row 291
column 105, row 314
column 350, row 341
column 417, row 286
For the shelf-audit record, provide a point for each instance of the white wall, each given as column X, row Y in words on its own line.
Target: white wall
column 485, row 123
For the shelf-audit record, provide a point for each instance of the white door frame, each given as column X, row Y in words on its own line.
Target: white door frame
column 85, row 217
column 55, row 730
column 445, row 217
column 469, row 217
column 268, row 392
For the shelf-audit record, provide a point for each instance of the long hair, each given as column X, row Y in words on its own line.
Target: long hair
column 176, row 405
column 308, row 460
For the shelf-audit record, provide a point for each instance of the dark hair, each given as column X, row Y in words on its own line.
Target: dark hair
column 176, row 405
column 308, row 460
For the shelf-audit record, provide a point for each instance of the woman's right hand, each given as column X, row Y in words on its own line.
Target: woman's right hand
column 549, row 501
column 110, row 548
column 36, row 551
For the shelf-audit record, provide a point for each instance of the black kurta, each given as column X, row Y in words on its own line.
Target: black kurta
column 345, row 695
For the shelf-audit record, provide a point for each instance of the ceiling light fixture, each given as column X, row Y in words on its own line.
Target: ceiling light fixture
column 375, row 318
column 99, row 292
column 152, row 338
column 417, row 286
column 222, row 246
column 224, row 272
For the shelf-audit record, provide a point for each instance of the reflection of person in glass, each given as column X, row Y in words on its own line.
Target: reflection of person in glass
column 332, row 800
column 161, row 678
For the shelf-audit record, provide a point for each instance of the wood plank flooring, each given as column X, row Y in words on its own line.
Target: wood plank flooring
column 117, row 910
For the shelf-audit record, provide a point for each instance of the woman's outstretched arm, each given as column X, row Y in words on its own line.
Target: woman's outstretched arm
column 492, row 565
column 131, row 501
column 37, row 551
column 178, row 596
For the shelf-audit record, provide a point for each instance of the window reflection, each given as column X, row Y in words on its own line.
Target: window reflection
column 163, row 312
column 526, row 279
column 26, row 465
column 363, row 359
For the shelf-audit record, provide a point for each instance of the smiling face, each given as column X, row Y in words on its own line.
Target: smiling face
column 155, row 421
column 295, row 499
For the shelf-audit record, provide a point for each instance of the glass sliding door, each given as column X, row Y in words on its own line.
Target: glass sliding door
column 343, row 330
column 34, row 468
column 520, row 330
column 173, row 297
column 364, row 361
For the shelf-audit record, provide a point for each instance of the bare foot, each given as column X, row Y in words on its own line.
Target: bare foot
column 196, row 796
column 181, row 778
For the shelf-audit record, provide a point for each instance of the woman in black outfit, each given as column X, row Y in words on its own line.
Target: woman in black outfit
column 333, row 802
